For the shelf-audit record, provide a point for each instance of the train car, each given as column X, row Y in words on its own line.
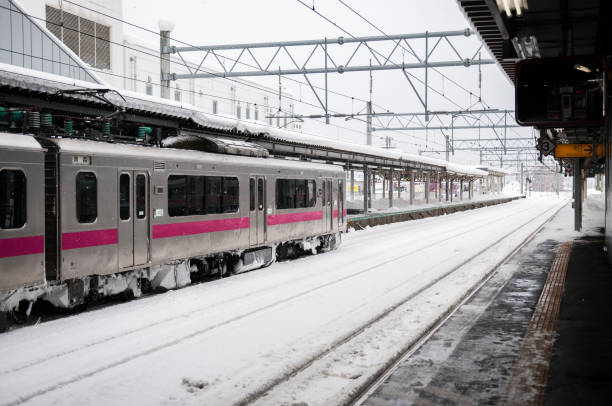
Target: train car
column 22, row 221
column 109, row 218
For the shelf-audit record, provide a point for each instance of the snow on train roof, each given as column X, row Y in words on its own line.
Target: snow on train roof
column 48, row 83
column 19, row 141
column 76, row 146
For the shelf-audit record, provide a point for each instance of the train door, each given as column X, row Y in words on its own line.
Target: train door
column 340, row 202
column 133, row 218
column 326, row 205
column 257, row 210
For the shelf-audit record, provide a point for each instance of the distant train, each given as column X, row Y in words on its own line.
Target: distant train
column 83, row 219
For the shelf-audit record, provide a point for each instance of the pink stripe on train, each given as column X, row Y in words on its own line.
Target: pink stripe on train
column 199, row 227
column 336, row 213
column 94, row 238
column 15, row 247
column 276, row 219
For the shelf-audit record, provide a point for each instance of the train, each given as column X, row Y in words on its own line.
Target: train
column 83, row 219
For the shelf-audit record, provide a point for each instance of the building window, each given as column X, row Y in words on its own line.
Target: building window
column 177, row 93
column 86, row 38
column 86, row 197
column 256, row 113
column 295, row 193
column 248, row 112
column 238, row 112
column 13, row 206
column 215, row 107
column 149, row 86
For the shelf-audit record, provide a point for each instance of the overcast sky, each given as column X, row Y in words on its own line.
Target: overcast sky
column 207, row 22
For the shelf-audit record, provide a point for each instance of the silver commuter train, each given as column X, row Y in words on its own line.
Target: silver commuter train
column 85, row 219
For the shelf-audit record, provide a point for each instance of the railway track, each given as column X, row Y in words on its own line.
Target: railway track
column 317, row 282
column 362, row 391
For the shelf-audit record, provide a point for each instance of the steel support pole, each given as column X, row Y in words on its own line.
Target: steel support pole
column 440, row 186
column 577, row 194
column 451, row 189
column 426, row 74
column 471, row 188
column 411, row 187
column 352, row 184
column 522, row 179
column 164, row 63
column 366, row 180
column 390, row 187
column 369, row 124
column 447, row 196
column 427, row 186
column 326, row 110
column 373, row 194
column 461, row 189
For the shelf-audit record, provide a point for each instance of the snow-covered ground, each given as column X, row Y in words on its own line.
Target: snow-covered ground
column 295, row 329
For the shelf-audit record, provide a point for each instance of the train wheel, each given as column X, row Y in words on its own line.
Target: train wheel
column 21, row 314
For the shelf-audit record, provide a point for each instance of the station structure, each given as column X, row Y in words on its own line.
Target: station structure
column 61, row 83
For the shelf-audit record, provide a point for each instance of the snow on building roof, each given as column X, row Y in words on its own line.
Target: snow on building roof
column 23, row 78
column 495, row 170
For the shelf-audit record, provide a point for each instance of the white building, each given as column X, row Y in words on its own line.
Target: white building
column 93, row 31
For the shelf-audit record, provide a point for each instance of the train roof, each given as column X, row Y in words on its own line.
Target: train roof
column 19, row 141
column 77, row 146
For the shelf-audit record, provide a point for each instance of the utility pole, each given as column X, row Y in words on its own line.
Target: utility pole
column 164, row 60
column 369, row 113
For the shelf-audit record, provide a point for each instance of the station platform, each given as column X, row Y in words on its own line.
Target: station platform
column 537, row 332
column 377, row 218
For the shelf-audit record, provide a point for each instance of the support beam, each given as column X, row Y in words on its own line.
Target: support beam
column 411, row 187
column 461, row 189
column 390, row 188
column 577, row 194
column 352, row 184
column 365, row 188
column 427, row 186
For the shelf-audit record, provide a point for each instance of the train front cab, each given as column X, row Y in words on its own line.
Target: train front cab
column 22, row 227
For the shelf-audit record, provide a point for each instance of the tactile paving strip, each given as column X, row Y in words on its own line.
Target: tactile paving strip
column 527, row 382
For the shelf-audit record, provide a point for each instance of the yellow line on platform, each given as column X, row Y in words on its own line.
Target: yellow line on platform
column 527, row 382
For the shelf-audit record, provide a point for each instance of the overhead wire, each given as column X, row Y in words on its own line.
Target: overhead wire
column 246, row 64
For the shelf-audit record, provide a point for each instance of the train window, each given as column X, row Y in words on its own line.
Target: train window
column 260, row 193
column 300, row 193
column 251, row 194
column 285, row 193
column 86, row 197
column 185, row 195
column 213, row 194
column 230, row 195
column 295, row 193
column 12, row 199
column 324, row 196
column 312, row 193
column 141, row 197
column 124, row 196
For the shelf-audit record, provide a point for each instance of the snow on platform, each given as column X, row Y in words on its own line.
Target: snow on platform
column 224, row 341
